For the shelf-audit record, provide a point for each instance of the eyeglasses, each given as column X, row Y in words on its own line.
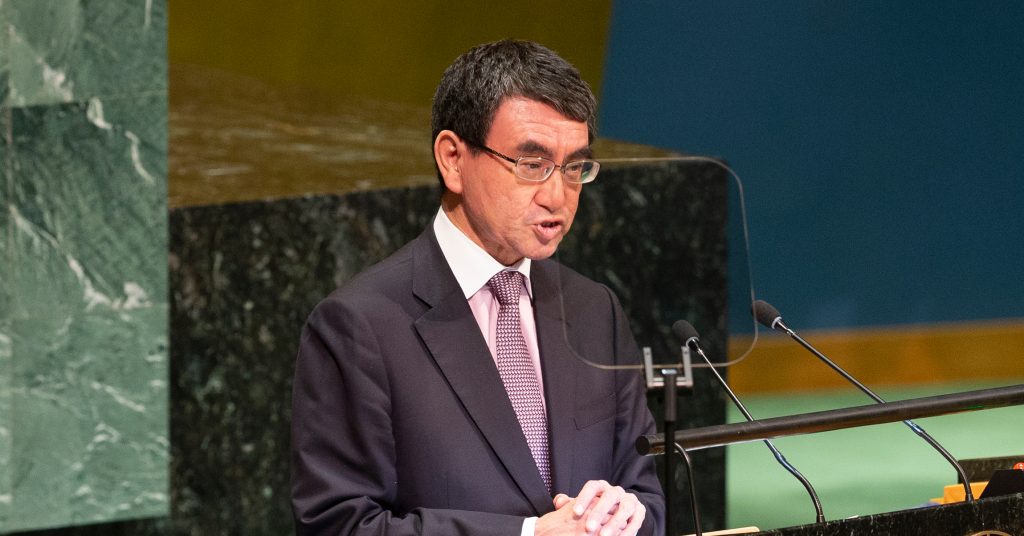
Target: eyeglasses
column 538, row 169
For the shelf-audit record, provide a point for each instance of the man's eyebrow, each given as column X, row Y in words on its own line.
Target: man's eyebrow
column 534, row 148
column 582, row 152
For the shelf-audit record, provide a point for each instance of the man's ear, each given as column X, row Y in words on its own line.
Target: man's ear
column 449, row 151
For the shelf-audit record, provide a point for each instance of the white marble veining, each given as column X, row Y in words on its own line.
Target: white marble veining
column 36, row 234
column 137, row 158
column 38, row 80
column 119, row 397
column 94, row 112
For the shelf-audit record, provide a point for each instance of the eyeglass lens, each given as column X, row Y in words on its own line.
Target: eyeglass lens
column 538, row 169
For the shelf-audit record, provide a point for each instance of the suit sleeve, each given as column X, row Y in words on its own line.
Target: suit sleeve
column 635, row 473
column 344, row 479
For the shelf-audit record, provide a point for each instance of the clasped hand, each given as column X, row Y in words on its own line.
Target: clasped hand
column 599, row 509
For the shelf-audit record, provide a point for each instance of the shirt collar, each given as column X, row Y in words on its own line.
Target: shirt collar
column 473, row 267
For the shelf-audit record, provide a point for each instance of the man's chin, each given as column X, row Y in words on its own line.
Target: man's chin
column 543, row 253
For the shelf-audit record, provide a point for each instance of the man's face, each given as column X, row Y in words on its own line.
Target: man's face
column 509, row 217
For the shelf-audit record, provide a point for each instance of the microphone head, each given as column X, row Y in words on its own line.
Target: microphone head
column 685, row 332
column 765, row 314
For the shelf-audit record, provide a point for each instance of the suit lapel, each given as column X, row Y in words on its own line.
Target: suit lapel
column 557, row 363
column 453, row 338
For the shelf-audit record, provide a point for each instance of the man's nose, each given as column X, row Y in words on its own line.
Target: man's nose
column 551, row 193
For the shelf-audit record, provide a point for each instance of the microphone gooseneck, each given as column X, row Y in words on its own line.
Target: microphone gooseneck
column 688, row 334
column 697, row 530
column 770, row 317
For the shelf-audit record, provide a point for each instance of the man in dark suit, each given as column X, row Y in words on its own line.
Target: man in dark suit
column 442, row 391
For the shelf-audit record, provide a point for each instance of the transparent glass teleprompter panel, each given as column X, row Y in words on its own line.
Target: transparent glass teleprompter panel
column 668, row 235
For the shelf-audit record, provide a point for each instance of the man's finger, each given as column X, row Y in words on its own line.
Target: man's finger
column 606, row 504
column 586, row 495
column 561, row 500
column 636, row 521
column 624, row 512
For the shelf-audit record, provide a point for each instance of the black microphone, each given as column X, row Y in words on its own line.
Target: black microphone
column 770, row 317
column 686, row 333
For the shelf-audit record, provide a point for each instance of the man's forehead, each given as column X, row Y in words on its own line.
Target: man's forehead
column 524, row 100
column 518, row 115
column 534, row 147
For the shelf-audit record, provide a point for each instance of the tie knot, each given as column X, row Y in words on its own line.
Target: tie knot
column 506, row 285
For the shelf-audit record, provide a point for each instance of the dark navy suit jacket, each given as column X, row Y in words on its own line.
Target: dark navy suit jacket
column 401, row 425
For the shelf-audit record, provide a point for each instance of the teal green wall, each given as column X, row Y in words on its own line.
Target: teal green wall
column 83, row 262
column 880, row 144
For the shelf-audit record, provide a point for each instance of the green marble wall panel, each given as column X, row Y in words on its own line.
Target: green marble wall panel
column 5, row 328
column 5, row 58
column 83, row 262
column 87, row 314
column 62, row 51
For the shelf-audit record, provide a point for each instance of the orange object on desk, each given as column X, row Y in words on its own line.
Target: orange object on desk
column 954, row 493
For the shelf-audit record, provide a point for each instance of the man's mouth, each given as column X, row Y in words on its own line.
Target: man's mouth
column 548, row 230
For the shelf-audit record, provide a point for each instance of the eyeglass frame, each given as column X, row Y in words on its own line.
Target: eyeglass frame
column 559, row 167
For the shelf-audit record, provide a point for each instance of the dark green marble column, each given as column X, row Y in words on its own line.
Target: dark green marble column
column 83, row 262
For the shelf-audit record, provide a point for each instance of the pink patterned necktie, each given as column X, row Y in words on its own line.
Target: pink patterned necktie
column 517, row 371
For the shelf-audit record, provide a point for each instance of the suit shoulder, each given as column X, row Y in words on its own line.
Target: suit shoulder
column 381, row 282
